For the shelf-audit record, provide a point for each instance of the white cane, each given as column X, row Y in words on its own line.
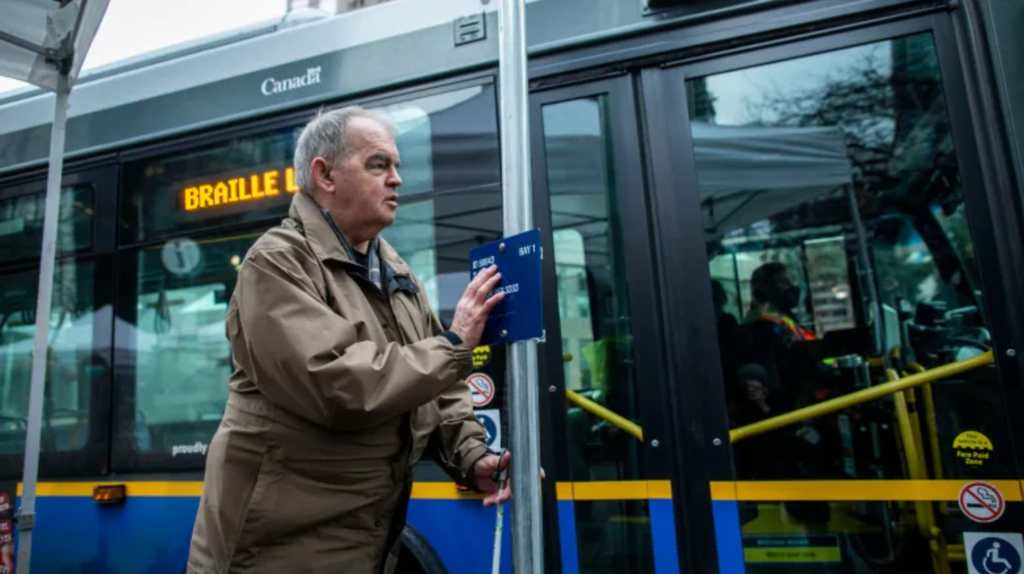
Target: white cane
column 498, row 527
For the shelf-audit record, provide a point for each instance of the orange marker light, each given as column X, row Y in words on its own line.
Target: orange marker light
column 109, row 494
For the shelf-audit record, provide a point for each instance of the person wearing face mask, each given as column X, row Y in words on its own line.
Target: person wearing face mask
column 783, row 375
column 771, row 336
column 775, row 297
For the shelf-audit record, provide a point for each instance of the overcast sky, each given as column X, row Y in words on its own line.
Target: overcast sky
column 133, row 27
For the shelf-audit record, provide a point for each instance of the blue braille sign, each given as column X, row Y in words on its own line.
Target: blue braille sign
column 520, row 315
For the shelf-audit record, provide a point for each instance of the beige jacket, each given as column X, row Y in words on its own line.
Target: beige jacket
column 335, row 396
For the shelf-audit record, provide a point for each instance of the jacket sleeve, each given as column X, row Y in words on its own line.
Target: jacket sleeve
column 310, row 361
column 459, row 440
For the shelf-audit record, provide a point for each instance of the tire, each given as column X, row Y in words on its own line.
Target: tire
column 416, row 555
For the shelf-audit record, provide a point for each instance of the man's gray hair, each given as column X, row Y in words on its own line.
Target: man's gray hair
column 326, row 136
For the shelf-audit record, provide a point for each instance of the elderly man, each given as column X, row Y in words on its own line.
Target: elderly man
column 343, row 376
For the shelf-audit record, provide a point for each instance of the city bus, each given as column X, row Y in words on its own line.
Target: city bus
column 782, row 271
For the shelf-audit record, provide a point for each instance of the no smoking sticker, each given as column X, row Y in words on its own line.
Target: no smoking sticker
column 482, row 388
column 982, row 502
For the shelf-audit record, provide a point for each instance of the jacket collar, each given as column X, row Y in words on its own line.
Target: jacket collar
column 309, row 220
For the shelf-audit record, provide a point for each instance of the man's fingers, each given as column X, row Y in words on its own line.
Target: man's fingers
column 488, row 286
column 490, row 303
column 481, row 277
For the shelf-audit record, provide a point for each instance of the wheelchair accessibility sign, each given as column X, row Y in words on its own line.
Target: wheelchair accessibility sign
column 994, row 553
column 491, row 419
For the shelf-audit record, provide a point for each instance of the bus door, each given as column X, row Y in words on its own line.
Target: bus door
column 839, row 328
column 604, row 443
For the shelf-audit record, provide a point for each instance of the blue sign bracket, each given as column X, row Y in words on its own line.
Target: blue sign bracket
column 520, row 314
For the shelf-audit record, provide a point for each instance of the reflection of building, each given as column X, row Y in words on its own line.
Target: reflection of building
column 915, row 73
column 573, row 306
column 701, row 101
column 332, row 6
column 922, row 134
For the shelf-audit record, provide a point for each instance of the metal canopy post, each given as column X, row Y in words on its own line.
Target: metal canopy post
column 30, row 475
column 517, row 199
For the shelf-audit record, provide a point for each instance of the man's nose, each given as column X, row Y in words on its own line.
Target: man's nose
column 394, row 180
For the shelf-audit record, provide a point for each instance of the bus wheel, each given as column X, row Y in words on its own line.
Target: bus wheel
column 416, row 555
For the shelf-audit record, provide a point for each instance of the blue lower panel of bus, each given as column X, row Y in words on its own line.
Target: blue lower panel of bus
column 462, row 533
column 147, row 535
column 150, row 534
column 728, row 537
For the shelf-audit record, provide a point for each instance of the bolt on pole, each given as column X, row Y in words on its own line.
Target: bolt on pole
column 517, row 199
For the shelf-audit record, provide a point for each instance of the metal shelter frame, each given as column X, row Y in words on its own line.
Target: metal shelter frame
column 67, row 29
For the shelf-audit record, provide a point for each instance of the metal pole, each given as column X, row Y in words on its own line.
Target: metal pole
column 867, row 274
column 27, row 513
column 527, row 544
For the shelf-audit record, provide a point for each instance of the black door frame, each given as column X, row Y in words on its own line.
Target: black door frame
column 627, row 172
column 994, row 216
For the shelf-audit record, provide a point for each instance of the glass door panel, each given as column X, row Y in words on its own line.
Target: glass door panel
column 835, row 224
column 601, row 351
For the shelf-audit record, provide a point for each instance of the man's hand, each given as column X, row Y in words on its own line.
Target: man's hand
column 474, row 307
column 484, row 471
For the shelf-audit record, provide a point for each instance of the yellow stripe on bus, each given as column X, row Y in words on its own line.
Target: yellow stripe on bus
column 132, row 488
column 615, row 490
column 766, row 491
column 854, row 490
column 440, row 491
column 563, row 490
column 723, row 491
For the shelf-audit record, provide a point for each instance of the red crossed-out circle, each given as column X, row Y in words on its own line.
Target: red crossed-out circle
column 976, row 502
column 482, row 388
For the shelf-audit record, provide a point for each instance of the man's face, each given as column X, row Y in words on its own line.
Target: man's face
column 783, row 282
column 786, row 294
column 365, row 191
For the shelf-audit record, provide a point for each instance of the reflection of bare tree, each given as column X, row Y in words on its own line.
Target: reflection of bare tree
column 888, row 103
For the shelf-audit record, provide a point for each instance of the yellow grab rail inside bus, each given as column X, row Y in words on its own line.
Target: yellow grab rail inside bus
column 862, row 396
column 603, row 413
column 923, row 377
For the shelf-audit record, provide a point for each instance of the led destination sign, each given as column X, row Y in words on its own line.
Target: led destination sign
column 251, row 187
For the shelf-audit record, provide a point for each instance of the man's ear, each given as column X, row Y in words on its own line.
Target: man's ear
column 321, row 173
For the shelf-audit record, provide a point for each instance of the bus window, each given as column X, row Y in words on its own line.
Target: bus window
column 613, row 536
column 838, row 245
column 73, row 366
column 21, row 224
column 174, row 358
column 182, row 358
